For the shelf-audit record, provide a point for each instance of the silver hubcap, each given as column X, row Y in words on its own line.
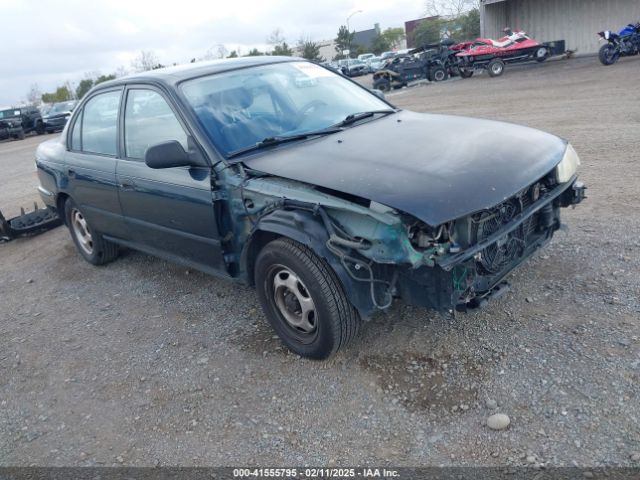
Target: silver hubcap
column 497, row 68
column 542, row 52
column 81, row 231
column 439, row 75
column 293, row 301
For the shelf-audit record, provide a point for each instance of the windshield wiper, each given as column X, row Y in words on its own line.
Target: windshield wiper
column 279, row 140
column 354, row 117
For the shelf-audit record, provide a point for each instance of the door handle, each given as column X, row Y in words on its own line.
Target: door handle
column 127, row 185
column 71, row 173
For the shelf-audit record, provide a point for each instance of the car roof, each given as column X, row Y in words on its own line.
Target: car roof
column 173, row 75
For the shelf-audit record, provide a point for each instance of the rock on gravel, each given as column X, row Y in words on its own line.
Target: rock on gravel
column 491, row 404
column 499, row 421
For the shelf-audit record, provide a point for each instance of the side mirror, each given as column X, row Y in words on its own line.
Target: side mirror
column 167, row 155
column 377, row 93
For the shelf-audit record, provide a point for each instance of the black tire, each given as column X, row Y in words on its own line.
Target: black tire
column 40, row 128
column 608, row 55
column 100, row 251
column 333, row 321
column 21, row 135
column 382, row 84
column 466, row 73
column 495, row 68
column 438, row 74
column 542, row 54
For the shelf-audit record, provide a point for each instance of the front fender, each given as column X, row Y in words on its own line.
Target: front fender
column 308, row 229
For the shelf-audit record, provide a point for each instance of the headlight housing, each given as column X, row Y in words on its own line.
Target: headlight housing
column 568, row 167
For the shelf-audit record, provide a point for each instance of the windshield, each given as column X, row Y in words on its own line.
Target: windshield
column 61, row 107
column 239, row 109
column 11, row 113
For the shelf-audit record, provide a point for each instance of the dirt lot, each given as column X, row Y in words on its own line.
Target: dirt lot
column 142, row 362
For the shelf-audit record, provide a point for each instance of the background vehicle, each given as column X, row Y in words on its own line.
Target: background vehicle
column 29, row 117
column 374, row 64
column 434, row 62
column 364, row 57
column 623, row 44
column 11, row 129
column 355, row 68
column 57, row 116
column 492, row 55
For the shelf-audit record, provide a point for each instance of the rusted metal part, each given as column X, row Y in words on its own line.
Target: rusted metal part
column 28, row 223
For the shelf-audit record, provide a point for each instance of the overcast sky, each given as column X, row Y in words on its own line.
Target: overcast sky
column 49, row 42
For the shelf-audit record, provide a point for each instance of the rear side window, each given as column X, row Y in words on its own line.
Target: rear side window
column 149, row 120
column 100, row 124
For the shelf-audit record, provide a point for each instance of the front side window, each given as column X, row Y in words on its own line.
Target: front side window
column 149, row 120
column 240, row 108
column 100, row 124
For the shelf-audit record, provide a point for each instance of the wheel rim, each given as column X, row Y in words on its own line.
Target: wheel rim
column 439, row 76
column 293, row 301
column 82, row 231
column 542, row 52
column 496, row 68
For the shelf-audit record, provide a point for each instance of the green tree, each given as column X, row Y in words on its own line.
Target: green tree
column 254, row 52
column 343, row 41
column 233, row 54
column 310, row 50
column 83, row 87
column 282, row 49
column 429, row 31
column 104, row 78
column 469, row 24
column 62, row 94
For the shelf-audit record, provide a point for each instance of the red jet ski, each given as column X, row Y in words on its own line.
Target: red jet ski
column 492, row 55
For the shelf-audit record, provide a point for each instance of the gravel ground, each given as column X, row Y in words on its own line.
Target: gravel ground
column 144, row 363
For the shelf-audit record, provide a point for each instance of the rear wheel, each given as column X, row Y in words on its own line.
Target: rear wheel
column 303, row 300
column 438, row 74
column 495, row 67
column 464, row 73
column 608, row 54
column 382, row 84
column 91, row 245
column 542, row 54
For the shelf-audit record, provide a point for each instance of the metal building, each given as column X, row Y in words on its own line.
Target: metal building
column 576, row 21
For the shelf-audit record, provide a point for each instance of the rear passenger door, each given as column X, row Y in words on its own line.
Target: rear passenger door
column 169, row 211
column 91, row 162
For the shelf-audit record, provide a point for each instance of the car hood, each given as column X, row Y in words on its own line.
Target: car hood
column 434, row 167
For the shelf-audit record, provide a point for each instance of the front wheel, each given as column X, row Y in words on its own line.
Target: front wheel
column 438, row 74
column 91, row 244
column 608, row 54
column 495, row 67
column 542, row 54
column 303, row 300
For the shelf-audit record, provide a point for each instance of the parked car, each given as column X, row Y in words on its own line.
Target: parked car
column 364, row 57
column 29, row 117
column 374, row 64
column 11, row 129
column 355, row 68
column 327, row 198
column 57, row 116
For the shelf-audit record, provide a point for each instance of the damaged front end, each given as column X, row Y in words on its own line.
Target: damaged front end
column 380, row 253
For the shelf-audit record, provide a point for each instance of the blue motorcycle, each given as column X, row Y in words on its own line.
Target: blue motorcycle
column 623, row 44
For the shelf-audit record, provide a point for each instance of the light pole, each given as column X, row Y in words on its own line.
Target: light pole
column 349, row 30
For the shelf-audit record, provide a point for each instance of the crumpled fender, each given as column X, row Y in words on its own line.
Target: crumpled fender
column 308, row 229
